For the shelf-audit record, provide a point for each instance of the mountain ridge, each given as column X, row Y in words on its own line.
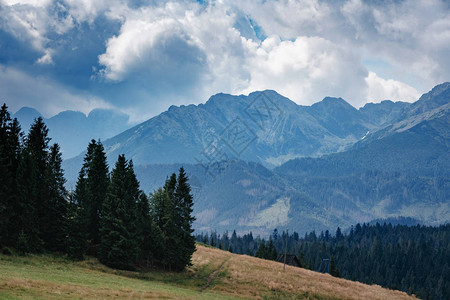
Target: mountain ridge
column 384, row 160
column 277, row 127
column 73, row 130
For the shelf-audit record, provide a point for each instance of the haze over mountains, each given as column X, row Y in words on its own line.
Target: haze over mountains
column 73, row 130
column 261, row 161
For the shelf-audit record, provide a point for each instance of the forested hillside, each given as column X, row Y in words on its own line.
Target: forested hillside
column 106, row 216
column 414, row 259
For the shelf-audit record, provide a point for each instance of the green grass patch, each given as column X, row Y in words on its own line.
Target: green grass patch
column 52, row 277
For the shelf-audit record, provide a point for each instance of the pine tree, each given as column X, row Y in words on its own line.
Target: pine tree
column 333, row 270
column 10, row 148
column 150, row 236
column 32, row 189
column 75, row 237
column 262, row 251
column 183, row 208
column 160, row 206
column 172, row 211
column 56, row 226
column 37, row 147
column 271, row 251
column 170, row 224
column 91, row 191
column 119, row 245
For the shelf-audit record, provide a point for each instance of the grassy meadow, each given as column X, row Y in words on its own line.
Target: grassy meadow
column 215, row 274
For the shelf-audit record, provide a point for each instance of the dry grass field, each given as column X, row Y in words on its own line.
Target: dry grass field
column 215, row 274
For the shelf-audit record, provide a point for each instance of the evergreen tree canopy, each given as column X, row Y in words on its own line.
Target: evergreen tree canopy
column 56, row 227
column 183, row 207
column 33, row 188
column 108, row 217
column 91, row 190
column 10, row 147
column 119, row 245
column 172, row 211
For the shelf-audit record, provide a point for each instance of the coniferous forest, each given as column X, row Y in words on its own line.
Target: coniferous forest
column 414, row 259
column 107, row 216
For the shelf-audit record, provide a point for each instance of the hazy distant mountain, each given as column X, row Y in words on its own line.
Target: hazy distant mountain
column 73, row 130
column 263, row 127
column 249, row 197
column 26, row 116
column 244, row 196
column 384, row 113
column 418, row 145
column 436, row 98
column 385, row 160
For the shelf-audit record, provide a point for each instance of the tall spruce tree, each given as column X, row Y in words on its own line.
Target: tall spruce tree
column 119, row 245
column 172, row 210
column 170, row 231
column 75, row 242
column 90, row 192
column 15, row 147
column 56, row 228
column 183, row 209
column 150, row 236
column 10, row 147
column 160, row 213
column 33, row 191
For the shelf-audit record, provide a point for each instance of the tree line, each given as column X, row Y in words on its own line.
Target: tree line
column 107, row 216
column 414, row 259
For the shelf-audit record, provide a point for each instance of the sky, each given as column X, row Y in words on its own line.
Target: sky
column 140, row 57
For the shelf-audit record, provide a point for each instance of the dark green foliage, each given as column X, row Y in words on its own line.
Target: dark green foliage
column 90, row 192
column 110, row 218
column 267, row 250
column 33, row 187
column 27, row 235
column 33, row 204
column 56, row 227
column 23, row 243
column 159, row 207
column 183, row 212
column 412, row 259
column 10, row 136
column 75, row 243
column 333, row 270
column 165, row 213
column 119, row 246
column 172, row 211
column 150, row 236
column 261, row 252
column 245, row 244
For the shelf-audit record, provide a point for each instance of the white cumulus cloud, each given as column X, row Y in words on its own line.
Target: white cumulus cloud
column 389, row 89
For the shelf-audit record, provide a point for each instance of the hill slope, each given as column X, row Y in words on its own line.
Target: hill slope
column 215, row 274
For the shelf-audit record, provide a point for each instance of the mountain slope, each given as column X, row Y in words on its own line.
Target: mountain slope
column 26, row 116
column 263, row 127
column 215, row 274
column 420, row 149
column 399, row 169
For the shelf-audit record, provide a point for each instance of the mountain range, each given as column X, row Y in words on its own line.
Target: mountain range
column 73, row 130
column 260, row 161
column 272, row 129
